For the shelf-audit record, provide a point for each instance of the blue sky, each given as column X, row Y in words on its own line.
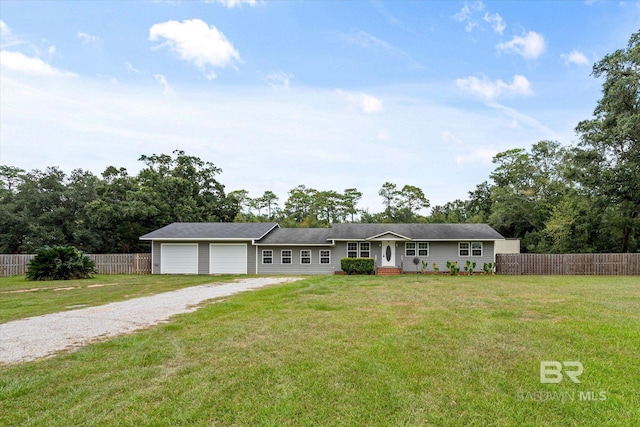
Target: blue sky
column 328, row 94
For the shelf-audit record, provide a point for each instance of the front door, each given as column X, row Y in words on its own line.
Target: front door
column 388, row 253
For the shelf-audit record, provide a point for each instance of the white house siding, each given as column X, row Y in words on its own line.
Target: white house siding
column 277, row 267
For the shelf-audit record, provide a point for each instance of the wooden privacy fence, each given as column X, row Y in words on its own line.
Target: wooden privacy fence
column 13, row 265
column 569, row 264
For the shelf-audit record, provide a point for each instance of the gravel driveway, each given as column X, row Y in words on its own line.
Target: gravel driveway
column 43, row 336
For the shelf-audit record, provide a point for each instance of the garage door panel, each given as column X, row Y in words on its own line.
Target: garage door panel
column 228, row 258
column 179, row 258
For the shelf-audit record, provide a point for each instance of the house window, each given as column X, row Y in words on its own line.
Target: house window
column 410, row 249
column 463, row 249
column 361, row 250
column 286, row 256
column 325, row 257
column 267, row 256
column 423, row 248
column 352, row 250
column 365, row 250
column 305, row 256
column 476, row 249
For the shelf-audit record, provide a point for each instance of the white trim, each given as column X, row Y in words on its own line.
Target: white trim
column 297, row 244
column 421, row 240
column 460, row 249
column 481, row 249
column 276, row 225
column 428, row 249
column 262, row 257
column 200, row 239
column 415, row 249
column 320, row 256
column 282, row 257
column 381, row 236
column 310, row 257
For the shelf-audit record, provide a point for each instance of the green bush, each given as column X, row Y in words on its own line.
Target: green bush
column 60, row 263
column 357, row 265
column 488, row 268
column 453, row 267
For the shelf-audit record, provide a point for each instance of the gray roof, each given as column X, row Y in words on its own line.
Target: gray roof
column 271, row 234
column 415, row 231
column 211, row 231
column 297, row 236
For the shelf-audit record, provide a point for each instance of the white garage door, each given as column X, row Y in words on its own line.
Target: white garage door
column 228, row 258
column 179, row 258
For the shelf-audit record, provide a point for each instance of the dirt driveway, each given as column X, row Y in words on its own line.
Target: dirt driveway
column 43, row 336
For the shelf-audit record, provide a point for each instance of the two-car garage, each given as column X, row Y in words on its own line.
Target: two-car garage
column 185, row 258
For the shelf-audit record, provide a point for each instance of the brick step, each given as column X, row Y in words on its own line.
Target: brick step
column 388, row 271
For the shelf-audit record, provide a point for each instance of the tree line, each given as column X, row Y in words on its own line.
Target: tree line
column 555, row 198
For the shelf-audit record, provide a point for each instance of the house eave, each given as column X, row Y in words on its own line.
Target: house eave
column 199, row 239
column 295, row 244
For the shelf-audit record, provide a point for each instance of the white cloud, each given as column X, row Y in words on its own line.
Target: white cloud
column 466, row 14
column 279, row 80
column 483, row 156
column 195, row 41
column 496, row 21
column 17, row 61
column 368, row 104
column 4, row 29
column 86, row 38
column 492, row 89
column 450, row 138
column 574, row 57
column 7, row 38
column 233, row 3
column 366, row 40
column 163, row 81
column 531, row 45
column 131, row 68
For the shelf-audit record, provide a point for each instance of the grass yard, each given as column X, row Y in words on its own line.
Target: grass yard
column 347, row 350
column 20, row 298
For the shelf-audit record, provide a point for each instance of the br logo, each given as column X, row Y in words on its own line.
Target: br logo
column 551, row 371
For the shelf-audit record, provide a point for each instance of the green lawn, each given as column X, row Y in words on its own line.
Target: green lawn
column 20, row 298
column 347, row 350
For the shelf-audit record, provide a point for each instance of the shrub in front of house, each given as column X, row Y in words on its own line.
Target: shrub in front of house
column 357, row 265
column 60, row 263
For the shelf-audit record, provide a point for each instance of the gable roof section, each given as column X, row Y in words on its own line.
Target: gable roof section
column 297, row 236
column 415, row 231
column 211, row 231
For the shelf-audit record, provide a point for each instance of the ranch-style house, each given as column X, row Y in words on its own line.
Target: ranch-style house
column 266, row 248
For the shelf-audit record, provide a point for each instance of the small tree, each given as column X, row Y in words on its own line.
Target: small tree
column 60, row 263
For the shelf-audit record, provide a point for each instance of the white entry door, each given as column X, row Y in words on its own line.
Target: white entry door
column 388, row 253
